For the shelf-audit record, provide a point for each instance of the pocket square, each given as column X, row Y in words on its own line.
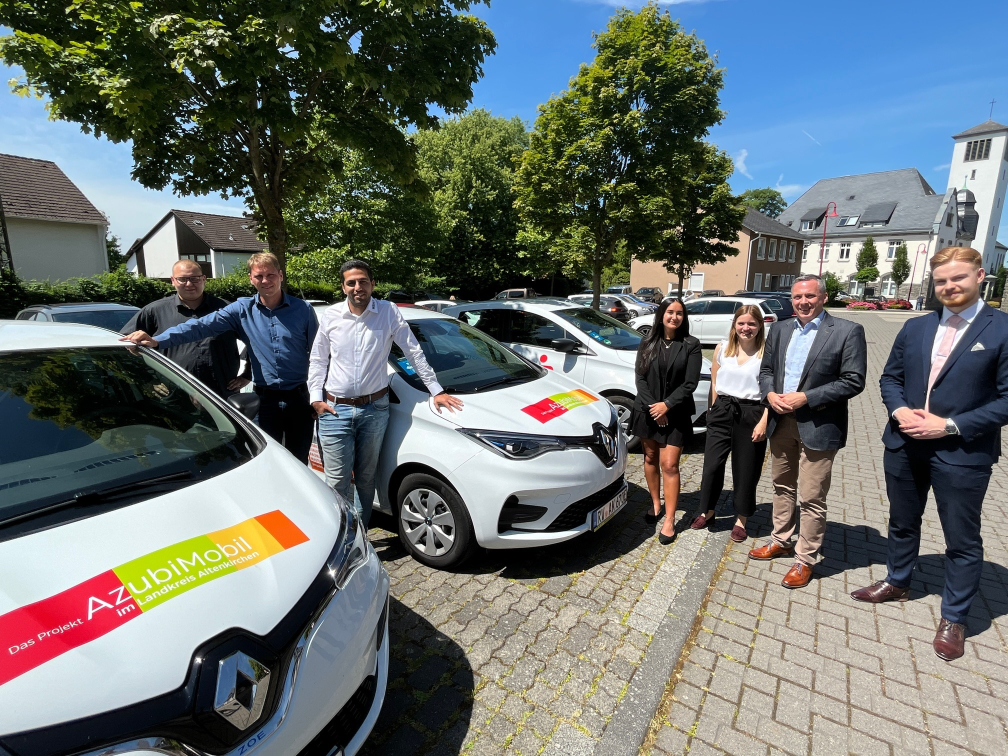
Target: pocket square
column 978, row 347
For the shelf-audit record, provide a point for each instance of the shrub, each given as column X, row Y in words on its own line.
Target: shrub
column 861, row 306
column 898, row 304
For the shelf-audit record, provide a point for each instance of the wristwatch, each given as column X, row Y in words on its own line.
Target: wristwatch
column 951, row 428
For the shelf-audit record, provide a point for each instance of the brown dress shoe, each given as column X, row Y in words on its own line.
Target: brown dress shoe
column 770, row 550
column 879, row 592
column 798, row 576
column 949, row 641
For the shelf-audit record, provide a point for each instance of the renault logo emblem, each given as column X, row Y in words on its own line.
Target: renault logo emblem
column 242, row 684
column 608, row 443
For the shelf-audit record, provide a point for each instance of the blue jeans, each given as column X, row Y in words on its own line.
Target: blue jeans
column 351, row 443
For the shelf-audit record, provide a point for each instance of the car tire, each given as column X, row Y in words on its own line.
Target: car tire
column 433, row 522
column 624, row 406
column 644, row 330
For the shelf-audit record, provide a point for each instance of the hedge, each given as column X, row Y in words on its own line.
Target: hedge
column 125, row 288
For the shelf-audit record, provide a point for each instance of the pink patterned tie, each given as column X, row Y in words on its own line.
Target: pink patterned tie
column 944, row 350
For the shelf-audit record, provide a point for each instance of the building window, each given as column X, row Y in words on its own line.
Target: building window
column 948, row 220
column 973, row 175
column 772, row 255
column 978, row 150
column 757, row 282
column 848, row 220
column 824, row 255
column 791, row 252
column 804, row 252
column 844, row 251
column 891, row 252
column 201, row 258
column 810, row 225
column 761, row 249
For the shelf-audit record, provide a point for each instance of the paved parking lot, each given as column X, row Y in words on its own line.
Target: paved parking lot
column 813, row 672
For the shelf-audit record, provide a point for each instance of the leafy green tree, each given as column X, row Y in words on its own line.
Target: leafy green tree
column 362, row 213
column 900, row 267
column 249, row 100
column 606, row 157
column 833, row 285
column 703, row 221
column 468, row 164
column 768, row 201
column 114, row 252
column 867, row 262
column 999, row 278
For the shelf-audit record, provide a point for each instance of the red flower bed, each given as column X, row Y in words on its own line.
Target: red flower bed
column 898, row 304
column 861, row 306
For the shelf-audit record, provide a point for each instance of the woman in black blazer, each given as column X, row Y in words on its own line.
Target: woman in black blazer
column 667, row 373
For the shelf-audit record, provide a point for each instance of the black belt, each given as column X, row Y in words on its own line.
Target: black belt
column 357, row 401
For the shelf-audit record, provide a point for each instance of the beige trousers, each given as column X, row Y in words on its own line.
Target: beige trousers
column 801, row 476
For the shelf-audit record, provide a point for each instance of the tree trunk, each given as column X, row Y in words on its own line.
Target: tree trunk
column 682, row 274
column 596, row 281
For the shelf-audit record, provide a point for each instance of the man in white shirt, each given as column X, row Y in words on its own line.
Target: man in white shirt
column 348, row 382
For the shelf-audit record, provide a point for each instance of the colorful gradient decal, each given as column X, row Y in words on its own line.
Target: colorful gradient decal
column 39, row 632
column 558, row 404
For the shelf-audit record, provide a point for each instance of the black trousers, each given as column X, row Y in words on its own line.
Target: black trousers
column 959, row 492
column 730, row 424
column 287, row 416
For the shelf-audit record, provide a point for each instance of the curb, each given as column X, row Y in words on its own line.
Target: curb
column 629, row 724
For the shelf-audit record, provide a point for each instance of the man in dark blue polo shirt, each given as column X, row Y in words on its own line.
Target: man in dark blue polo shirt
column 279, row 330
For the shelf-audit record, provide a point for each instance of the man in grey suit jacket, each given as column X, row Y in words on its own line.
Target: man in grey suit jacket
column 812, row 365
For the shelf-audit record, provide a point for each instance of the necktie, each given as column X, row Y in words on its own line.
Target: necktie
column 944, row 350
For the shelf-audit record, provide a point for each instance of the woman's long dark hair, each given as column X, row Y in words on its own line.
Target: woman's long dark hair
column 649, row 344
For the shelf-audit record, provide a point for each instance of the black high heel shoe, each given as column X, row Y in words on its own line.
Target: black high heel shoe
column 651, row 518
column 665, row 540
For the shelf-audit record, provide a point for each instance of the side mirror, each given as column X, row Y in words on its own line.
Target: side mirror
column 567, row 346
column 247, row 404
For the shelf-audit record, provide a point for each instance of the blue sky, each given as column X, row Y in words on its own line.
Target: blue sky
column 812, row 90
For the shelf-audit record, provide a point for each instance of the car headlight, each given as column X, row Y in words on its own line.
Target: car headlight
column 515, row 445
column 350, row 551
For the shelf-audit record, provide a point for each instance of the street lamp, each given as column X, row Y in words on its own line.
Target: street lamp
column 822, row 246
column 921, row 248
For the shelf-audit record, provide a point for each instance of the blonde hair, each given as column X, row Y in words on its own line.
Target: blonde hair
column 949, row 254
column 264, row 258
column 732, row 347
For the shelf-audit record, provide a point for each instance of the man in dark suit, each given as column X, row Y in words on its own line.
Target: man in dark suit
column 946, row 389
column 812, row 366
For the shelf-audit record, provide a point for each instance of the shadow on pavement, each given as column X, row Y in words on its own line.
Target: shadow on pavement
column 428, row 703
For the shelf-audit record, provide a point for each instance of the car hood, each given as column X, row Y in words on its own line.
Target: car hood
column 85, row 623
column 552, row 405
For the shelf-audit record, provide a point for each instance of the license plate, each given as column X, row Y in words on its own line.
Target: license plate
column 603, row 514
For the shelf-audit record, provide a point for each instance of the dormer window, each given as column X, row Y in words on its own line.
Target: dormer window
column 848, row 220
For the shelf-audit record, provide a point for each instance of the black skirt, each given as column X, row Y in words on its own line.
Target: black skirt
column 678, row 431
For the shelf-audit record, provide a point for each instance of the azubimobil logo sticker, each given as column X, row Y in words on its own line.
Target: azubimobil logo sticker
column 556, row 405
column 39, row 632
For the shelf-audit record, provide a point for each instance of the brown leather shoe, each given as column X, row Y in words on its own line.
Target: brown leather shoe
column 879, row 592
column 770, row 550
column 950, row 640
column 798, row 576
column 738, row 534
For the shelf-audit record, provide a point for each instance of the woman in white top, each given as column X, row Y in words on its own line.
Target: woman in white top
column 736, row 421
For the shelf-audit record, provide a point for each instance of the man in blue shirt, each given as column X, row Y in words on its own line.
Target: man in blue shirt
column 279, row 330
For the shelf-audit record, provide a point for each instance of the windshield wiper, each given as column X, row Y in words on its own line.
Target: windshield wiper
column 501, row 382
column 87, row 498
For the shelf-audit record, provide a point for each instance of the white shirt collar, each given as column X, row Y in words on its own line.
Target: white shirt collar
column 968, row 314
column 344, row 308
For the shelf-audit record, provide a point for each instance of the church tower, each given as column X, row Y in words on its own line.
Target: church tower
column 980, row 164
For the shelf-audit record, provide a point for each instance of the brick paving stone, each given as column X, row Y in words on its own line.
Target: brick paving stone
column 824, row 674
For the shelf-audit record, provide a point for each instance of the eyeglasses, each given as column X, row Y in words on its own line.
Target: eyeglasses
column 188, row 279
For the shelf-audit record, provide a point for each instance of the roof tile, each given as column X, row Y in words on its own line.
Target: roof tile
column 38, row 189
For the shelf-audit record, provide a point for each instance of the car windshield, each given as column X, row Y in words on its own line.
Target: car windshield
column 602, row 329
column 113, row 320
column 465, row 360
column 82, row 424
column 773, row 304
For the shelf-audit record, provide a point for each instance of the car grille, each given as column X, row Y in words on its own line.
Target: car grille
column 575, row 515
column 347, row 721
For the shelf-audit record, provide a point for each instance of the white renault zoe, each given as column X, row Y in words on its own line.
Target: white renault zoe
column 533, row 458
column 172, row 581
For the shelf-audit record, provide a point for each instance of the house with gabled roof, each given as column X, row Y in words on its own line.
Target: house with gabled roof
column 54, row 231
column 219, row 243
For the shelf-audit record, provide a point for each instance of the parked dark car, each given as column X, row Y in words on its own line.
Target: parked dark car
column 779, row 301
column 608, row 305
column 712, row 293
column 108, row 315
column 650, row 294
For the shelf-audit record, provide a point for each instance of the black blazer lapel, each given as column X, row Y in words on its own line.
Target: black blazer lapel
column 927, row 344
column 980, row 322
column 823, row 333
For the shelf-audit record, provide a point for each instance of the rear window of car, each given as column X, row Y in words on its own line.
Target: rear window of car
column 113, row 320
column 722, row 307
column 696, row 307
column 88, row 426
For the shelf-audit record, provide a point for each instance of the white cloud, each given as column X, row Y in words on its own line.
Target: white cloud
column 740, row 165
column 788, row 190
column 942, row 167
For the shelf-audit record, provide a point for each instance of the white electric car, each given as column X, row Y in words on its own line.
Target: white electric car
column 579, row 342
column 173, row 580
column 533, row 458
column 710, row 318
